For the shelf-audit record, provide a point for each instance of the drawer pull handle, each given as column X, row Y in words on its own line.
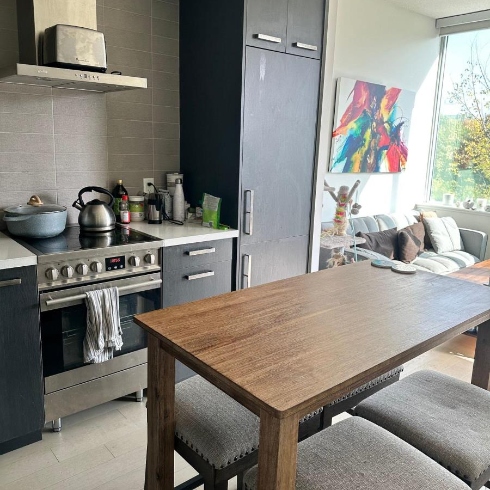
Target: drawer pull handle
column 249, row 212
column 309, row 47
column 266, row 37
column 203, row 251
column 193, row 277
column 11, row 282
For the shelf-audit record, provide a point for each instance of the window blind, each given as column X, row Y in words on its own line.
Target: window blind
column 464, row 23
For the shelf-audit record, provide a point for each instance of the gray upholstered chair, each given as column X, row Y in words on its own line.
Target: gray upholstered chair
column 358, row 454
column 219, row 437
column 447, row 419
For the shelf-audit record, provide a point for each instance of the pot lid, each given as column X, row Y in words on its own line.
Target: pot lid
column 31, row 210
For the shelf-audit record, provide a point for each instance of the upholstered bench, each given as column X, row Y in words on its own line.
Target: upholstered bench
column 447, row 419
column 219, row 437
column 357, row 454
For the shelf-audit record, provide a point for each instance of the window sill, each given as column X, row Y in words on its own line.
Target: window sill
column 453, row 209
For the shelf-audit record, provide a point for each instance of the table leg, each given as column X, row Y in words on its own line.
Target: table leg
column 481, row 367
column 161, row 418
column 278, row 449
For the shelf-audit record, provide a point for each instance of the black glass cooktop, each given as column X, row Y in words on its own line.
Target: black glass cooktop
column 72, row 239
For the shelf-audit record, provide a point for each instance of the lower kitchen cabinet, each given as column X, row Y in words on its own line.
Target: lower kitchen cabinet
column 21, row 390
column 196, row 271
column 273, row 260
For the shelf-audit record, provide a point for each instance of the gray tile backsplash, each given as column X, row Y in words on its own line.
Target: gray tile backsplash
column 53, row 142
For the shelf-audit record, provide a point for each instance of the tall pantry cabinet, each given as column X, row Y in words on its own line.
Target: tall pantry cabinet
column 250, row 76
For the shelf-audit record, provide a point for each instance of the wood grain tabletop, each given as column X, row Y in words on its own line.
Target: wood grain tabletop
column 293, row 345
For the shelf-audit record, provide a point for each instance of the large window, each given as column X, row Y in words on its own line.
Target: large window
column 462, row 151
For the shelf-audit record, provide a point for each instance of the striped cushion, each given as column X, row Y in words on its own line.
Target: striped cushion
column 444, row 263
column 355, row 454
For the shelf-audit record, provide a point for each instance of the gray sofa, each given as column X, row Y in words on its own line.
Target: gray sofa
column 474, row 244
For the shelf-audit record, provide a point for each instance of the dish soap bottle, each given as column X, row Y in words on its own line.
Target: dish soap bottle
column 124, row 210
column 117, row 193
column 178, row 208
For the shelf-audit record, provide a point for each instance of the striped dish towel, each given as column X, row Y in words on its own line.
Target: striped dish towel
column 104, row 333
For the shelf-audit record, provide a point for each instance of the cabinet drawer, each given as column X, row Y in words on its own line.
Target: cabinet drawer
column 195, row 283
column 194, row 254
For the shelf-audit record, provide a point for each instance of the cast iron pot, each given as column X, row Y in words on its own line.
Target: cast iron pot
column 41, row 221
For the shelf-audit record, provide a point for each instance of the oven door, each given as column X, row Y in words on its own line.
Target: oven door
column 64, row 320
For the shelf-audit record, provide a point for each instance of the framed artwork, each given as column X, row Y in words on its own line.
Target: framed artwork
column 371, row 127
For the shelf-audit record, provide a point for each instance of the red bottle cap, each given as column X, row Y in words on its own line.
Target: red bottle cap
column 124, row 198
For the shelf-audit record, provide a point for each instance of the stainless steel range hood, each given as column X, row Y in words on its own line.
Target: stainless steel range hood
column 69, row 79
column 34, row 16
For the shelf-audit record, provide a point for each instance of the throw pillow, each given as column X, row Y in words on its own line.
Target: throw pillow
column 383, row 242
column 411, row 242
column 423, row 216
column 444, row 234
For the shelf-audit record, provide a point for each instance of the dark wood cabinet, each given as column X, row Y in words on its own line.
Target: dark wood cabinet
column 266, row 25
column 279, row 132
column 291, row 26
column 195, row 271
column 21, row 389
column 249, row 110
column 305, row 28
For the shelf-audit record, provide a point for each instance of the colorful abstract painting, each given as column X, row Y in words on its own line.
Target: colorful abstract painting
column 371, row 127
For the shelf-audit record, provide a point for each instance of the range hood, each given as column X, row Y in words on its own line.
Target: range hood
column 69, row 79
column 34, row 16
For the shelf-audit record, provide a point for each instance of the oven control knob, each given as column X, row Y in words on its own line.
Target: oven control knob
column 67, row 271
column 52, row 274
column 96, row 267
column 82, row 269
column 150, row 259
column 134, row 261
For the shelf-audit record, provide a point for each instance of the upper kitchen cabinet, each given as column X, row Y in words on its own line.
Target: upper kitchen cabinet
column 291, row 26
column 305, row 27
column 267, row 24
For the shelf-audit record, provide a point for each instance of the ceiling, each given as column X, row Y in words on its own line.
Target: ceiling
column 443, row 8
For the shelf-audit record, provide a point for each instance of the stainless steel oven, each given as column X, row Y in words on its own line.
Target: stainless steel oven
column 70, row 265
column 70, row 384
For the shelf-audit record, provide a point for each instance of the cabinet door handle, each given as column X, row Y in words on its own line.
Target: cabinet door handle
column 193, row 277
column 266, row 37
column 309, row 47
column 249, row 212
column 203, row 251
column 10, row 282
column 247, row 271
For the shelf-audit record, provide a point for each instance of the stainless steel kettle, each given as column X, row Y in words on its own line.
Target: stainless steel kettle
column 95, row 216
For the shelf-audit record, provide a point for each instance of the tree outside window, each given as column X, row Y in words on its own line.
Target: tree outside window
column 462, row 156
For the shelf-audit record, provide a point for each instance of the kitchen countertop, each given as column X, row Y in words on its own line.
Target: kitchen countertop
column 172, row 234
column 14, row 255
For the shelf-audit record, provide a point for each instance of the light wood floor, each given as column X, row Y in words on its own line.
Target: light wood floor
column 104, row 447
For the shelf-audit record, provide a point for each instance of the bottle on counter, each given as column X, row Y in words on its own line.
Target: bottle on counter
column 178, row 207
column 117, row 193
column 124, row 210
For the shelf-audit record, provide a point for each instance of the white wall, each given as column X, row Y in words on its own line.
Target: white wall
column 379, row 42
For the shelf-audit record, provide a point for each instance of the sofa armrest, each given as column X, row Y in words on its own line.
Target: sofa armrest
column 475, row 242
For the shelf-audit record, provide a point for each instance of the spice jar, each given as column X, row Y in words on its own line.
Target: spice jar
column 137, row 208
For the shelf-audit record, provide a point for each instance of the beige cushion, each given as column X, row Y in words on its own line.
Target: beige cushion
column 444, row 234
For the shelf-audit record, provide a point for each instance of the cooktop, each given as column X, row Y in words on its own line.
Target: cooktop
column 73, row 240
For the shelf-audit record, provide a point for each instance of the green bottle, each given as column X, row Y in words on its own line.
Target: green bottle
column 117, row 193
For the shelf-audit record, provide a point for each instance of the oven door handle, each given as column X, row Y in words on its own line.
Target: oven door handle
column 78, row 297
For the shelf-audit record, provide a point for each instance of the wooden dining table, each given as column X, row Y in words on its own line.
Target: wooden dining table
column 287, row 348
